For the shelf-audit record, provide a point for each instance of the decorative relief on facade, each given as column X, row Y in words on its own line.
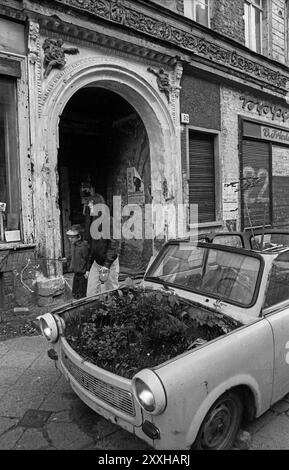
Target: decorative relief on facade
column 34, row 58
column 116, row 12
column 54, row 54
column 33, row 43
column 63, row 76
column 163, row 81
column 175, row 93
column 265, row 109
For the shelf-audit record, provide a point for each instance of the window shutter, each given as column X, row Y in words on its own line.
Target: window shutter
column 202, row 175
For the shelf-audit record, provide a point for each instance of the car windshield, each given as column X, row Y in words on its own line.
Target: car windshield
column 215, row 272
column 270, row 241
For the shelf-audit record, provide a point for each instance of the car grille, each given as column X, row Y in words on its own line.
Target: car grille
column 114, row 396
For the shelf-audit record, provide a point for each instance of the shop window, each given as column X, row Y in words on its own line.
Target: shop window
column 198, row 10
column 9, row 174
column 256, row 184
column 202, row 175
column 253, row 18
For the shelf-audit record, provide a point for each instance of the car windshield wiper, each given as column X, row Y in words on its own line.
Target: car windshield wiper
column 164, row 283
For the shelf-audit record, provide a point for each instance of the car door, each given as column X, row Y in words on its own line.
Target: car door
column 276, row 312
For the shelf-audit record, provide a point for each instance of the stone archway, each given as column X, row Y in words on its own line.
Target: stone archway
column 140, row 90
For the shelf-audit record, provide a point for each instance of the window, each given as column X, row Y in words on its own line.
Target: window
column 202, row 175
column 278, row 288
column 228, row 240
column 257, row 183
column 9, row 176
column 253, row 15
column 197, row 10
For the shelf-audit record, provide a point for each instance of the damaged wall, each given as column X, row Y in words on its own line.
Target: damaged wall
column 131, row 149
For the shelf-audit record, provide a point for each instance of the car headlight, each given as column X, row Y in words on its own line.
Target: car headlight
column 149, row 392
column 51, row 326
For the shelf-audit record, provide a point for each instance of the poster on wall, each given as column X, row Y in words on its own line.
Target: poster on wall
column 230, row 198
column 280, row 185
column 135, row 187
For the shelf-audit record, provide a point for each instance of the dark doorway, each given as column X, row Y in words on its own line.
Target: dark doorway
column 100, row 136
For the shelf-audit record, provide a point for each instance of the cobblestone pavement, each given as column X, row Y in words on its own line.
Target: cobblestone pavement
column 29, row 381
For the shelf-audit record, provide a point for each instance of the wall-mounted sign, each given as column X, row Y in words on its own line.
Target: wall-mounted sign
column 276, row 135
column 135, row 187
column 263, row 132
column 185, row 118
column 280, row 161
column 12, row 236
column 265, row 109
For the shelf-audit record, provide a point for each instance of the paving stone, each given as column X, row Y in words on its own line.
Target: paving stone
column 9, row 439
column 273, row 436
column 35, row 344
column 60, row 417
column 286, row 398
column 4, row 349
column 281, row 407
column 243, row 440
column 19, row 359
column 6, row 423
column 55, row 402
column 103, row 428
column 43, row 363
column 3, row 390
column 62, row 386
column 67, row 436
column 32, row 439
column 28, row 392
column 9, row 375
column 259, row 423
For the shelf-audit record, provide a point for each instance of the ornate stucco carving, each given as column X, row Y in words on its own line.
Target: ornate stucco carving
column 175, row 91
column 54, row 54
column 163, row 81
column 34, row 59
column 116, row 12
column 62, row 77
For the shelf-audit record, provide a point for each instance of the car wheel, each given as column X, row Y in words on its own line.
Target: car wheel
column 221, row 424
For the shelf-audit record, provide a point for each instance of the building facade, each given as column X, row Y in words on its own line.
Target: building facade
column 157, row 102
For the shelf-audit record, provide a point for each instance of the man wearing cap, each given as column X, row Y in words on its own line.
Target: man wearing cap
column 79, row 261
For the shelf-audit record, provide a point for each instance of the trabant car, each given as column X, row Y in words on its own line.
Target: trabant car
column 198, row 399
column 254, row 239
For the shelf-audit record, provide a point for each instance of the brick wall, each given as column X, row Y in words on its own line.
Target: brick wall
column 201, row 100
column 228, row 20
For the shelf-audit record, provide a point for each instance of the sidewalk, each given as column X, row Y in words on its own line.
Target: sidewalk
column 30, row 381
column 38, row 410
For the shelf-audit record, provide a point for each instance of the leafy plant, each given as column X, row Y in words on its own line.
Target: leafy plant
column 135, row 327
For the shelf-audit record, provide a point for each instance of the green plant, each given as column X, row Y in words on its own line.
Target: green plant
column 137, row 327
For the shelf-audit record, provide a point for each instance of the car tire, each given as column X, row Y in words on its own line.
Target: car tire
column 221, row 424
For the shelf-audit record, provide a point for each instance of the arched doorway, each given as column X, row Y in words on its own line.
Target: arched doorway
column 139, row 89
column 101, row 136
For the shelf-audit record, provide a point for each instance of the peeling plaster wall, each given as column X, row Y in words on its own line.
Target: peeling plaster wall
column 132, row 150
column 118, row 72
